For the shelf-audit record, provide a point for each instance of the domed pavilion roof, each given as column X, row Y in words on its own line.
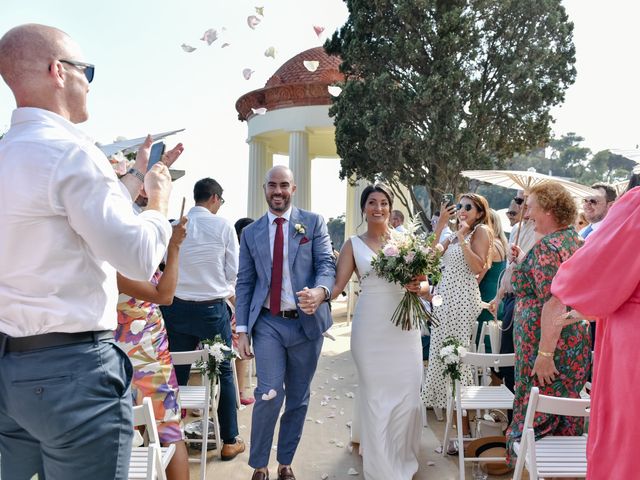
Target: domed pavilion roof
column 293, row 85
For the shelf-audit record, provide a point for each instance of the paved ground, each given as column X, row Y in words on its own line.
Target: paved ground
column 324, row 448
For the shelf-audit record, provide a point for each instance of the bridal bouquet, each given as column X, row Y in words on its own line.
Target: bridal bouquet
column 405, row 256
column 218, row 353
column 450, row 353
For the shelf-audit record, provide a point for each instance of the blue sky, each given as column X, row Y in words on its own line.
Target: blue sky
column 146, row 83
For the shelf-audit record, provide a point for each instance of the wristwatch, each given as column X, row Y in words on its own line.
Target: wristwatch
column 136, row 173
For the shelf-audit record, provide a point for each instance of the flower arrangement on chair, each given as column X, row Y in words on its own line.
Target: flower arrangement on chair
column 450, row 354
column 218, row 352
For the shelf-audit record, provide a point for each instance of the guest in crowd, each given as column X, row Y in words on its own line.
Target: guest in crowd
column 504, row 303
column 491, row 277
column 242, row 366
column 557, row 362
column 142, row 335
column 597, row 206
column 67, row 229
column 466, row 255
column 397, row 220
column 446, row 230
column 207, row 276
column 612, row 298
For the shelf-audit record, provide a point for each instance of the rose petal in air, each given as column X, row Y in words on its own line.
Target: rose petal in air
column 260, row 11
column 334, row 91
column 225, row 45
column 318, row 30
column 436, row 301
column 270, row 396
column 188, row 48
column 311, row 65
column 246, row 73
column 259, row 111
column 270, row 52
column 210, row 36
column 253, row 21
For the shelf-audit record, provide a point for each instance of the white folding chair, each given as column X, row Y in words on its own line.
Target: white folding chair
column 200, row 397
column 552, row 457
column 149, row 462
column 477, row 398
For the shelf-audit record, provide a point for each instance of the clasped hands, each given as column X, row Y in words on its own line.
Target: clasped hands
column 309, row 299
column 418, row 285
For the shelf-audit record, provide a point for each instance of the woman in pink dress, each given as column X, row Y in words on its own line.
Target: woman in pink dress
column 602, row 281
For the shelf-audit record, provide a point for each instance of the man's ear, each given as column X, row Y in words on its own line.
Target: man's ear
column 57, row 73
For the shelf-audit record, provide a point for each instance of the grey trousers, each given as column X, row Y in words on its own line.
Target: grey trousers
column 65, row 413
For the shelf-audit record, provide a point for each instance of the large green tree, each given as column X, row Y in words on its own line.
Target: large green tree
column 434, row 87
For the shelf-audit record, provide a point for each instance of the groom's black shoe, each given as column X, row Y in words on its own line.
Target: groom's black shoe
column 258, row 475
column 285, row 473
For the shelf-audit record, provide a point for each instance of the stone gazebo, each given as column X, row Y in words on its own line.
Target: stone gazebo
column 296, row 124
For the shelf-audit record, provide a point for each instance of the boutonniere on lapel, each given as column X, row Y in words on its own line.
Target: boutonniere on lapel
column 302, row 230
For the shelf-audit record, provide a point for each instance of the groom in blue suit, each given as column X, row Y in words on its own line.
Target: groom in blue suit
column 285, row 278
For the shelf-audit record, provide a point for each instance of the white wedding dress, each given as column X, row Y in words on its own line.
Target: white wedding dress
column 389, row 364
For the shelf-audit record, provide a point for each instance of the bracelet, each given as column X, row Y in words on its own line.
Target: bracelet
column 545, row 354
column 136, row 173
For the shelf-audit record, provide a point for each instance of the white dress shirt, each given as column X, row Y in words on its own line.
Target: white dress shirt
column 208, row 265
column 66, row 227
column 287, row 297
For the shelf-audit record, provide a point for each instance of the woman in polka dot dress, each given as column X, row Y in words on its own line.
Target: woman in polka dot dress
column 466, row 255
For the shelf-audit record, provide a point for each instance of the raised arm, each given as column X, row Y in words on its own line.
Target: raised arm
column 476, row 252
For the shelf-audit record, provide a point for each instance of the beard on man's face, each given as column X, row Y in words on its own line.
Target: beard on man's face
column 278, row 202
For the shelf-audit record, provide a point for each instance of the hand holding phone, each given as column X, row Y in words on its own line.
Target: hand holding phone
column 157, row 150
column 448, row 199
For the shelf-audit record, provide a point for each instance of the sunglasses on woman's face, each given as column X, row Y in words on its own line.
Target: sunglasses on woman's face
column 518, row 200
column 466, row 207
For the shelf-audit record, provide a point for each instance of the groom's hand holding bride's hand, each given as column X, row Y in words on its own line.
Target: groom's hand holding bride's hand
column 309, row 299
column 244, row 349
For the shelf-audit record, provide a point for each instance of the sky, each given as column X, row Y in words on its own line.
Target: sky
column 146, row 83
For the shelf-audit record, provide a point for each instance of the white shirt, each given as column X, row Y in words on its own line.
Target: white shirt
column 208, row 265
column 66, row 227
column 287, row 297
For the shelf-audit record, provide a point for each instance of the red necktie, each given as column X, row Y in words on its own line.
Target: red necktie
column 276, row 268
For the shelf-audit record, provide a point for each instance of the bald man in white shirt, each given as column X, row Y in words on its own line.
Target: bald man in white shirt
column 67, row 226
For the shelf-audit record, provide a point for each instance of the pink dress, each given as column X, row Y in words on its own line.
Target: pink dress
column 602, row 279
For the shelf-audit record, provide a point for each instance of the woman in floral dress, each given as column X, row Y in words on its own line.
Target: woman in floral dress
column 142, row 335
column 554, row 211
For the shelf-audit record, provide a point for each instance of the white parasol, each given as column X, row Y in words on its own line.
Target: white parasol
column 134, row 143
column 525, row 180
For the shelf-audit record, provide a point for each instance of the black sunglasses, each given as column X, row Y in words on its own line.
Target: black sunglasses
column 592, row 201
column 466, row 207
column 512, row 213
column 88, row 69
column 518, row 200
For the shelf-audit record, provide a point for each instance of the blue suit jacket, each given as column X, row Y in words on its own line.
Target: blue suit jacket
column 310, row 263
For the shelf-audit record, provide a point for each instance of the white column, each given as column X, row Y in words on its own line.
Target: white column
column 300, row 165
column 354, row 223
column 260, row 161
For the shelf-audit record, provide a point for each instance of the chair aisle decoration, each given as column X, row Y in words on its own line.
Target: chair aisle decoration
column 474, row 397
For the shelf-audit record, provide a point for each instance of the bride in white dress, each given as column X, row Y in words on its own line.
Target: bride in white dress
column 388, row 359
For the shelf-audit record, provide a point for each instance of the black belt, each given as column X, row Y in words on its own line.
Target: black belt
column 48, row 340
column 290, row 314
column 200, row 302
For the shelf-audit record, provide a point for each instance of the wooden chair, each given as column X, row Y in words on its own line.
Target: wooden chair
column 149, row 462
column 202, row 398
column 552, row 457
column 477, row 398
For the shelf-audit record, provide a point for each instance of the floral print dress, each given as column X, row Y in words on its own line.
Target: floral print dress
column 532, row 281
column 142, row 335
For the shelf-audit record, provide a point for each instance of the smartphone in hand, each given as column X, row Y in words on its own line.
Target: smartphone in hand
column 448, row 199
column 157, row 150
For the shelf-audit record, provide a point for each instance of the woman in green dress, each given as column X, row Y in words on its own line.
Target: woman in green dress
column 491, row 279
